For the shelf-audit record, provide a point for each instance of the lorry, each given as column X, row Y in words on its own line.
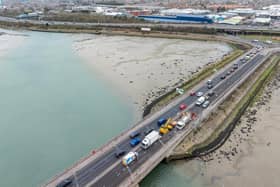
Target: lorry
column 151, row 138
column 129, row 158
column 163, row 130
column 185, row 119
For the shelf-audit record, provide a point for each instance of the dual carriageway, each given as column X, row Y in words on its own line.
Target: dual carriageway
column 105, row 169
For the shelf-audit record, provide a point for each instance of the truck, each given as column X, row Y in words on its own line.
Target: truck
column 151, row 138
column 129, row 158
column 185, row 119
column 163, row 130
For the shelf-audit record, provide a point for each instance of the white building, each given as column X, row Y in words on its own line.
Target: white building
column 262, row 21
column 176, row 11
column 247, row 12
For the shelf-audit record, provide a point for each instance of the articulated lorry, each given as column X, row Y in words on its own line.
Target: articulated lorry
column 150, row 139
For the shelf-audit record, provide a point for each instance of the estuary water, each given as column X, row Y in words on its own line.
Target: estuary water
column 54, row 110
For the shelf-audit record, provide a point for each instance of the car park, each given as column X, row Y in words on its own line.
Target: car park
column 205, row 104
column 199, row 94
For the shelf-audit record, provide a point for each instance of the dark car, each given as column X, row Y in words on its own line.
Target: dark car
column 192, row 94
column 148, row 130
column 119, row 152
column 134, row 134
column 65, row 183
column 209, row 86
column 211, row 93
column 161, row 121
column 223, row 77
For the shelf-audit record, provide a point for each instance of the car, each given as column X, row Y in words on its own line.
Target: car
column 119, row 152
column 209, row 86
column 192, row 94
column 161, row 121
column 65, row 183
column 223, row 77
column 182, row 107
column 148, row 130
column 200, row 101
column 235, row 66
column 228, row 73
column 135, row 141
column 206, row 104
column 134, row 134
column 199, row 94
column 209, row 82
column 211, row 93
column 232, row 70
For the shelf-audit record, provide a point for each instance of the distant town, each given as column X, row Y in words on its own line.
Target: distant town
column 220, row 12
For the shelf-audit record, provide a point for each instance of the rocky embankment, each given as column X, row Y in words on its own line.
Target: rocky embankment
column 246, row 126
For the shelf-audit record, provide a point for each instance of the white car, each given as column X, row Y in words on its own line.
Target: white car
column 200, row 101
column 199, row 94
column 205, row 104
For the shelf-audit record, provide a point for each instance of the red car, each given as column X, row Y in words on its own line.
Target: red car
column 192, row 94
column 183, row 107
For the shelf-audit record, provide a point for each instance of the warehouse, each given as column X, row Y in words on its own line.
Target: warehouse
column 184, row 18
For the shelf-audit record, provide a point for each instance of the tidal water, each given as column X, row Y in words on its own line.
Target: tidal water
column 53, row 110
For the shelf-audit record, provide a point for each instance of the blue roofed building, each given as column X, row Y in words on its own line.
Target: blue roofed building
column 180, row 18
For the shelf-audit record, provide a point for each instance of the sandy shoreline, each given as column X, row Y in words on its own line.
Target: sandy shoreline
column 250, row 156
column 145, row 68
column 9, row 40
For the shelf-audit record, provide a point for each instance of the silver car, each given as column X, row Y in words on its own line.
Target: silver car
column 205, row 104
column 199, row 94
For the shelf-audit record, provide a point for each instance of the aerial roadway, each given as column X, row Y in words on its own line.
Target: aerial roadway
column 120, row 160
